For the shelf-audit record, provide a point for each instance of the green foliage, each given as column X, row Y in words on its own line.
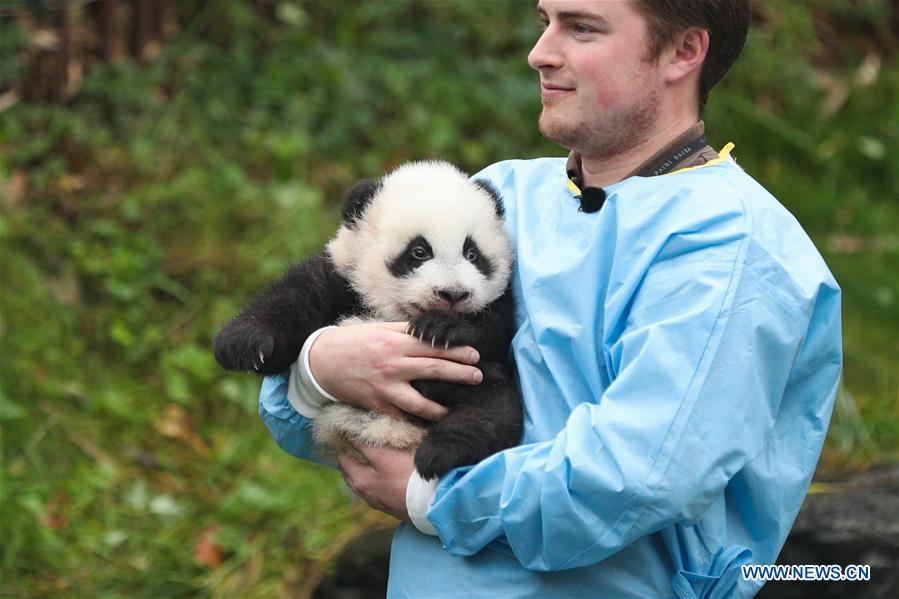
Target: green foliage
column 139, row 217
column 821, row 133
column 11, row 40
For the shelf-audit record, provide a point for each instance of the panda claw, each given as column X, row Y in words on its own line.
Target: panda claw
column 432, row 342
column 261, row 357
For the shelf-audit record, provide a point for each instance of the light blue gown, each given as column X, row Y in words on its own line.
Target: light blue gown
column 679, row 354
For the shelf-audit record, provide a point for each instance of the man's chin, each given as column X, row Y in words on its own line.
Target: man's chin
column 555, row 130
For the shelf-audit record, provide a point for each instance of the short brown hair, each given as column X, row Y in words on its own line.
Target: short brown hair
column 727, row 22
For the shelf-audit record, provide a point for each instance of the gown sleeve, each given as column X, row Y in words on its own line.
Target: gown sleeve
column 291, row 430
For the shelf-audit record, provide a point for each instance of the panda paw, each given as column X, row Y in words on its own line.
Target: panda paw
column 442, row 330
column 432, row 461
column 242, row 346
column 444, row 448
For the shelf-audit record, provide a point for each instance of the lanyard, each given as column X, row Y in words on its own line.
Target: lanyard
column 660, row 167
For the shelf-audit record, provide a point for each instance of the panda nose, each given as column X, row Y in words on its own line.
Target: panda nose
column 452, row 297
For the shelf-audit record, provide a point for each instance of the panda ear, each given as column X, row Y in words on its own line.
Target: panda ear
column 357, row 200
column 487, row 186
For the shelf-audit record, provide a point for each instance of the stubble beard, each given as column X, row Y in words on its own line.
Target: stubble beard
column 600, row 135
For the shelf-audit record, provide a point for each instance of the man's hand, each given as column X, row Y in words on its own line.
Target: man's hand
column 370, row 366
column 382, row 482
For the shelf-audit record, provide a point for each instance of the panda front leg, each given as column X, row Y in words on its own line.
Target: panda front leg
column 489, row 421
column 245, row 344
column 444, row 330
column 268, row 334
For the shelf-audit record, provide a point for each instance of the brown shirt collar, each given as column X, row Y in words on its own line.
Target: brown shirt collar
column 657, row 161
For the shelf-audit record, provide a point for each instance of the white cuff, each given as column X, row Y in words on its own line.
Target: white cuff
column 419, row 494
column 303, row 392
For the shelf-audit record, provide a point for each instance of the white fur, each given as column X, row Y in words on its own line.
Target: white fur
column 339, row 427
column 439, row 202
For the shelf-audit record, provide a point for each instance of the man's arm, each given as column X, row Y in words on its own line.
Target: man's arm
column 291, row 430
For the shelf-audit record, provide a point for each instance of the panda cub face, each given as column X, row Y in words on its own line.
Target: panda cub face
column 423, row 238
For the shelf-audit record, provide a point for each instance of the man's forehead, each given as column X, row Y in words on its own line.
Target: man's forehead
column 582, row 8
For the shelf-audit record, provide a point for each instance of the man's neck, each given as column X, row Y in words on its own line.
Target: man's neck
column 600, row 172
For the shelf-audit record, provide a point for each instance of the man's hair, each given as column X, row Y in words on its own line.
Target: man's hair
column 727, row 22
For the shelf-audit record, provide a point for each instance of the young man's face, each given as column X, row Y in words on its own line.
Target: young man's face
column 601, row 93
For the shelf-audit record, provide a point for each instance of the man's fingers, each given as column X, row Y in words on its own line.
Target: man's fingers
column 464, row 354
column 346, row 463
column 411, row 401
column 374, row 454
column 352, row 469
column 388, row 409
column 433, row 369
column 349, row 469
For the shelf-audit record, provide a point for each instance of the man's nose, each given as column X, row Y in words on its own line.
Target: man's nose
column 544, row 54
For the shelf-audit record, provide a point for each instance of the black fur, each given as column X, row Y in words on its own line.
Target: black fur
column 267, row 337
column 494, row 196
column 357, row 200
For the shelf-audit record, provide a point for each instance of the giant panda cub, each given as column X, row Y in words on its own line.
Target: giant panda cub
column 426, row 245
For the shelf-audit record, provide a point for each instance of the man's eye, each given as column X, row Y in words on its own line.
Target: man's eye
column 581, row 29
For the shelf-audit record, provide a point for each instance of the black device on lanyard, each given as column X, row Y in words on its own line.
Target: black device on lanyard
column 592, row 198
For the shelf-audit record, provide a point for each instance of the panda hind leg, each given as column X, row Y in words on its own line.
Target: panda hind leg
column 342, row 428
column 489, row 421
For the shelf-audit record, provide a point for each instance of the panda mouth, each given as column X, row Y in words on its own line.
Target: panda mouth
column 413, row 309
column 418, row 309
column 440, row 307
column 443, row 308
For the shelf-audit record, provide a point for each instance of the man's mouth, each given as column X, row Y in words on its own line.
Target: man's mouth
column 549, row 90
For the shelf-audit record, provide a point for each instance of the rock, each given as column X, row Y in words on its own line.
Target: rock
column 361, row 571
column 852, row 521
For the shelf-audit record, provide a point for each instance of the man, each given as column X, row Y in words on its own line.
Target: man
column 678, row 343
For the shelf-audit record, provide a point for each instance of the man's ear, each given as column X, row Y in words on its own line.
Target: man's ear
column 686, row 54
column 357, row 200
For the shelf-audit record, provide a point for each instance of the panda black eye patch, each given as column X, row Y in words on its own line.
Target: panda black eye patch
column 418, row 250
column 471, row 250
